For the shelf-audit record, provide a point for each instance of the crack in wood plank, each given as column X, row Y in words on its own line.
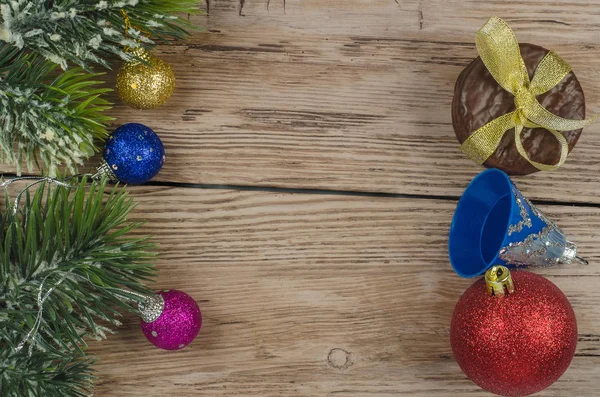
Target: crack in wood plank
column 226, row 48
column 552, row 21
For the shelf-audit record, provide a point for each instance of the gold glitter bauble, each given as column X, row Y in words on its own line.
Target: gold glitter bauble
column 145, row 85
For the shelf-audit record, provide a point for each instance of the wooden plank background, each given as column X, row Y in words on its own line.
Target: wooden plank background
column 311, row 176
column 354, row 95
column 316, row 294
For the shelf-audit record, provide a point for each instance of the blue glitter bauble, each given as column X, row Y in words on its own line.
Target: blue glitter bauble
column 134, row 153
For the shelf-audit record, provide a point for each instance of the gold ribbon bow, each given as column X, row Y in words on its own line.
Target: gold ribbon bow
column 499, row 50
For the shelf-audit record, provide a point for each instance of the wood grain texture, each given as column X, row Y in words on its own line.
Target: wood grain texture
column 353, row 95
column 337, row 294
column 313, row 295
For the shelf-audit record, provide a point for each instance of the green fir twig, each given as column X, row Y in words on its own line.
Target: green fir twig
column 46, row 374
column 87, row 32
column 75, row 246
column 48, row 117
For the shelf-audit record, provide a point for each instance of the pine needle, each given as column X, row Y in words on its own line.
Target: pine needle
column 75, row 246
column 47, row 119
column 88, row 32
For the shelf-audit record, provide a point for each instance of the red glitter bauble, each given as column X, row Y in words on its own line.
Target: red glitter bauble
column 518, row 344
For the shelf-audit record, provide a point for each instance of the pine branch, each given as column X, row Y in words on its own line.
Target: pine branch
column 45, row 374
column 51, row 121
column 86, row 32
column 73, row 248
column 48, row 117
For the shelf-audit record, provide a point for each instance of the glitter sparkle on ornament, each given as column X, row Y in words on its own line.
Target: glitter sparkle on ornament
column 518, row 344
column 134, row 153
column 178, row 324
column 145, row 82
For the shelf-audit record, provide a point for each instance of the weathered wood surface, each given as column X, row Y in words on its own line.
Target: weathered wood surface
column 353, row 95
column 315, row 295
column 322, row 294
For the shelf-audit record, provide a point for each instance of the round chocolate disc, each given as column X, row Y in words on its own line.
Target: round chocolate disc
column 479, row 99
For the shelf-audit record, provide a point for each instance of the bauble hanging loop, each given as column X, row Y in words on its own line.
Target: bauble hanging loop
column 151, row 308
column 498, row 281
column 146, row 81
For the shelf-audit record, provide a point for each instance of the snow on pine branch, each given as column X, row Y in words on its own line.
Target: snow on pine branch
column 48, row 121
column 87, row 32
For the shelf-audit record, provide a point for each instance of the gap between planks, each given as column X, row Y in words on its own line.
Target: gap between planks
column 334, row 192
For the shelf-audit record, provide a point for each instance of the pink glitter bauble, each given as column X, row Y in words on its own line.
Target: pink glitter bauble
column 179, row 323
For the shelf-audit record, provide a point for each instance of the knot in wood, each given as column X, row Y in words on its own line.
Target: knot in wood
column 339, row 358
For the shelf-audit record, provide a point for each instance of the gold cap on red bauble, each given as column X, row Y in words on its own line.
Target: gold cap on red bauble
column 498, row 281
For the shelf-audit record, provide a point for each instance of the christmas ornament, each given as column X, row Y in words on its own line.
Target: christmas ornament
column 67, row 244
column 513, row 334
column 495, row 224
column 525, row 90
column 171, row 319
column 146, row 81
column 53, row 96
column 133, row 154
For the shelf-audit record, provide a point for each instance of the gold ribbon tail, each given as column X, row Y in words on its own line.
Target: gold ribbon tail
column 564, row 150
column 483, row 142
